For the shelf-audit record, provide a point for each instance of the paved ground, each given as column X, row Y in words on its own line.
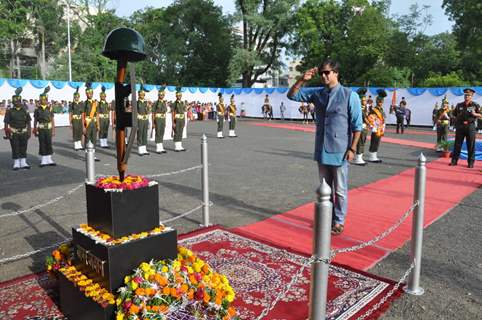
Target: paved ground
column 263, row 172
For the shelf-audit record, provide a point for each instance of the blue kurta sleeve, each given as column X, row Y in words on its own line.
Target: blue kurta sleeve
column 355, row 113
column 303, row 95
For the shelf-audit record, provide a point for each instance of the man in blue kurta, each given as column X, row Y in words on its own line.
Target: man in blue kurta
column 338, row 127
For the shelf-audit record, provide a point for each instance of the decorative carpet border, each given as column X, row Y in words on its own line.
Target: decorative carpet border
column 360, row 307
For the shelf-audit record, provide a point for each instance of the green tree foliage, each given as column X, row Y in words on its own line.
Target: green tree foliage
column 467, row 15
column 451, row 79
column 87, row 62
column 49, row 30
column 188, row 43
column 14, row 26
column 265, row 24
column 353, row 32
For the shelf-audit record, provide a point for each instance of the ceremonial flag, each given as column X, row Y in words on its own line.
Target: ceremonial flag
column 394, row 101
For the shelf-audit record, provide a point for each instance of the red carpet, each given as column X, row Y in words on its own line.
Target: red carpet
column 311, row 128
column 257, row 271
column 372, row 209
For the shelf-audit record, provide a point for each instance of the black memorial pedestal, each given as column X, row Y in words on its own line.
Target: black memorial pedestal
column 118, row 214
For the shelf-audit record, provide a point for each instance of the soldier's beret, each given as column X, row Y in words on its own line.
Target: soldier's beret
column 469, row 90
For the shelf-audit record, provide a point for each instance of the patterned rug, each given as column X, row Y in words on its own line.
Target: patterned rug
column 257, row 271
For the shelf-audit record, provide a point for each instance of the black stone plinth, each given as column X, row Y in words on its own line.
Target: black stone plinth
column 121, row 259
column 76, row 306
column 122, row 213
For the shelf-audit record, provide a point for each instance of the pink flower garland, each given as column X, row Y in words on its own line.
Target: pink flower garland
column 129, row 183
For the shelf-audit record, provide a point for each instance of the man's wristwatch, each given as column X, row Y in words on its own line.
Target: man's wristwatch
column 352, row 150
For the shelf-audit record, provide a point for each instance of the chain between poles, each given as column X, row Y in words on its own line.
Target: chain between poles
column 333, row 253
column 54, row 200
column 31, row 253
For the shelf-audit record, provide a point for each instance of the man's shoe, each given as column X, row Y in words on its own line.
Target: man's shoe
column 453, row 163
column 337, row 229
column 470, row 165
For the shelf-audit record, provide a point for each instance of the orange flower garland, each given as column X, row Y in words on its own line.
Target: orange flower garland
column 107, row 239
column 90, row 288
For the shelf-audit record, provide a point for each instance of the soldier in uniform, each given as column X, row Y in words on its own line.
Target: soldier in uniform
column 18, row 130
column 76, row 118
column 159, row 111
column 232, row 117
column 44, row 129
column 360, row 147
column 443, row 121
column 142, row 122
column 400, row 115
column 376, row 118
column 91, row 119
column 178, row 111
column 104, row 119
column 220, row 109
column 466, row 113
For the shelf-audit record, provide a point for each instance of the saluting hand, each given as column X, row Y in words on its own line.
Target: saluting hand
column 310, row 74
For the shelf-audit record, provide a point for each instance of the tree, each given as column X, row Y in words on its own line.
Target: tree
column 353, row 32
column 49, row 30
column 13, row 29
column 265, row 24
column 188, row 43
column 451, row 79
column 467, row 15
column 88, row 64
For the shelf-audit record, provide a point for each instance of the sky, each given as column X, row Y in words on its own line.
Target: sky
column 441, row 22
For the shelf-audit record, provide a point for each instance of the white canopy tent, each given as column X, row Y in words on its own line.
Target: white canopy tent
column 419, row 100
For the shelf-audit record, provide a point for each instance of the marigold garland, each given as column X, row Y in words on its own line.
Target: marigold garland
column 89, row 287
column 129, row 183
column 107, row 239
column 156, row 289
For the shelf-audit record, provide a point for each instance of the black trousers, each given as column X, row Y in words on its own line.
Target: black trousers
column 360, row 147
column 374, row 142
column 18, row 142
column 467, row 132
column 400, row 124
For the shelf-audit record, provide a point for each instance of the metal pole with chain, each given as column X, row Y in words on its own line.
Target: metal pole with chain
column 321, row 250
column 205, row 180
column 90, row 163
column 413, row 286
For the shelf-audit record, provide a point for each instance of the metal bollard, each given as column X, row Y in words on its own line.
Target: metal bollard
column 413, row 286
column 321, row 249
column 205, row 180
column 90, row 163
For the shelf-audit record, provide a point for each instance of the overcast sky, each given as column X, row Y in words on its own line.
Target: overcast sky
column 441, row 22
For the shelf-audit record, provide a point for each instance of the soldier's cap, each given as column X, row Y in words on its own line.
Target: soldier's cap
column 381, row 94
column 102, row 91
column 18, row 91
column 76, row 93
column 361, row 92
column 88, row 87
column 142, row 88
column 44, row 94
column 469, row 90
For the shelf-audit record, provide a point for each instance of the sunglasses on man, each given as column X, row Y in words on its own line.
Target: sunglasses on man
column 325, row 72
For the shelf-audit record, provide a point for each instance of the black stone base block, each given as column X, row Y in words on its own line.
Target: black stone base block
column 116, row 262
column 76, row 306
column 122, row 213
